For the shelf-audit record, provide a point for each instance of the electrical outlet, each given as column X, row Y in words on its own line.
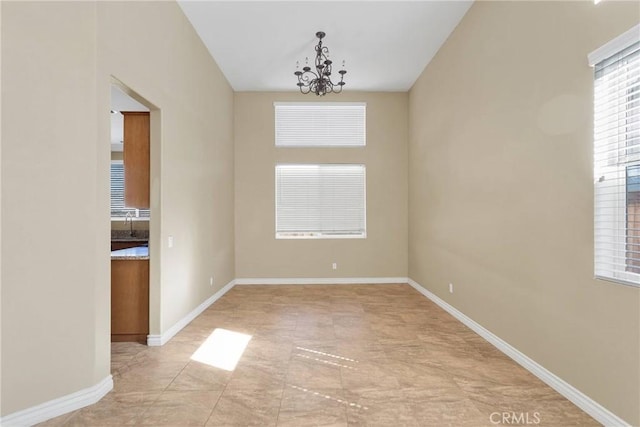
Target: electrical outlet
column 211, row 281
column 170, row 241
column 335, row 265
column 450, row 288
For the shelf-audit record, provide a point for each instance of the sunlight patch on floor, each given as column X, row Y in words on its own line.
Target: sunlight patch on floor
column 326, row 396
column 326, row 354
column 326, row 362
column 222, row 349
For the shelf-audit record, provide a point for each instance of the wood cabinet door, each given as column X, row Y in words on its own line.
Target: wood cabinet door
column 136, row 159
column 130, row 298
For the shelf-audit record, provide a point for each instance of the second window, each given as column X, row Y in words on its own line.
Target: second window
column 320, row 201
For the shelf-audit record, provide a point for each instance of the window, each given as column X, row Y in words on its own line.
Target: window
column 320, row 201
column 320, row 124
column 617, row 158
column 118, row 210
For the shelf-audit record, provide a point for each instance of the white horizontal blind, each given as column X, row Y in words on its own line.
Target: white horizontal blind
column 118, row 210
column 320, row 124
column 320, row 201
column 617, row 166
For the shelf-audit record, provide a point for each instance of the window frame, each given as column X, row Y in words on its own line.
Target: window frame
column 611, row 230
column 320, row 104
column 138, row 216
column 315, row 235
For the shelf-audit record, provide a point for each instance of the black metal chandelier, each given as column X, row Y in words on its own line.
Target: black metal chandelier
column 319, row 81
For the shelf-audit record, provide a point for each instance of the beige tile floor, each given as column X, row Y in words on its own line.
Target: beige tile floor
column 376, row 355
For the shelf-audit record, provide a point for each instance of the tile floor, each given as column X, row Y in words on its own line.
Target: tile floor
column 341, row 355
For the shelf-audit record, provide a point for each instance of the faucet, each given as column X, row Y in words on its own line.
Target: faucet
column 129, row 217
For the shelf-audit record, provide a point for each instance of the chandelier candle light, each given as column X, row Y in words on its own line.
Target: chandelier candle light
column 319, row 81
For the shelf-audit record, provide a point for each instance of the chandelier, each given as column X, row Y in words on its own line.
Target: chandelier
column 319, row 81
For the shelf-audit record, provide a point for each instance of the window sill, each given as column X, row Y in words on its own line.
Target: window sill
column 320, row 236
column 618, row 281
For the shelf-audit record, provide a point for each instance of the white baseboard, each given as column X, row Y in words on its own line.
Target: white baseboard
column 158, row 340
column 60, row 406
column 581, row 400
column 322, row 281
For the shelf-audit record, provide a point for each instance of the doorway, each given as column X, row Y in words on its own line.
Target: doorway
column 133, row 216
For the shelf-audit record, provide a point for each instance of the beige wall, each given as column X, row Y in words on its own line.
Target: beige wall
column 152, row 49
column 56, row 82
column 165, row 62
column 50, row 332
column 500, row 194
column 382, row 254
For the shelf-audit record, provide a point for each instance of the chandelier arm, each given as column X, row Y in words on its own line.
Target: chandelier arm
column 307, row 78
column 302, row 89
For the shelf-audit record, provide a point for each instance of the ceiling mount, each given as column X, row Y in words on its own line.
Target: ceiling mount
column 319, row 81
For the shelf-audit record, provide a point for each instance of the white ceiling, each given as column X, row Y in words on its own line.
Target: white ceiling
column 386, row 44
column 120, row 101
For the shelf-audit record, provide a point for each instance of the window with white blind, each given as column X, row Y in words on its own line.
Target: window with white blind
column 320, row 201
column 320, row 124
column 118, row 210
column 617, row 158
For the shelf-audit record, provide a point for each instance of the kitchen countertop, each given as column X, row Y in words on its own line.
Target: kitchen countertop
column 139, row 252
column 125, row 236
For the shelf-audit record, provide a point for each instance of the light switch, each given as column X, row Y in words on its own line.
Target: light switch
column 170, row 241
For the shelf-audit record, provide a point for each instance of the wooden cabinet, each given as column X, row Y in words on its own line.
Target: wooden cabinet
column 136, row 159
column 130, row 300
